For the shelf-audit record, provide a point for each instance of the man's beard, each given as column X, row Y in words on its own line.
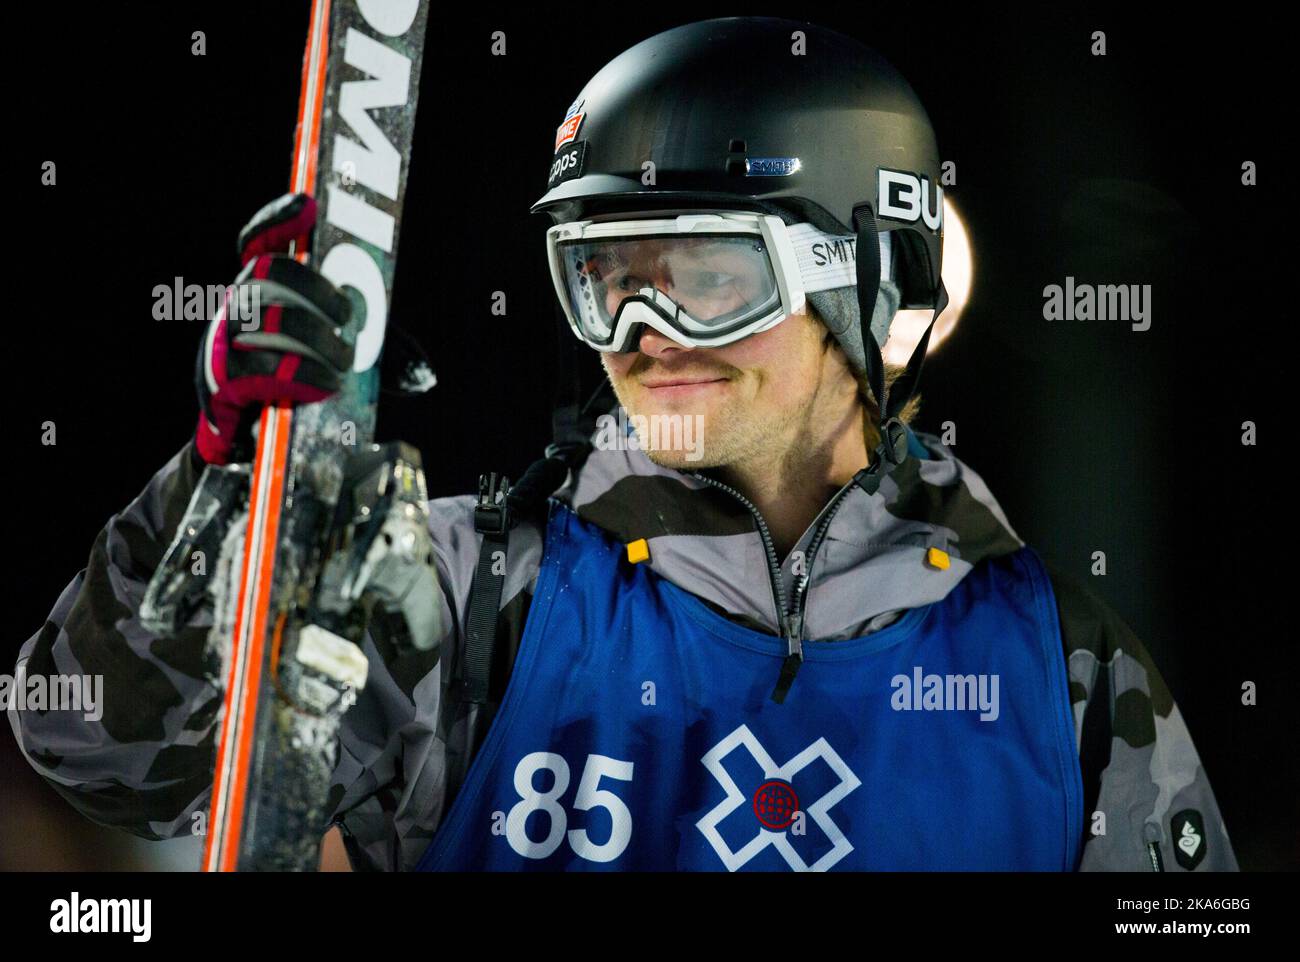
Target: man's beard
column 729, row 434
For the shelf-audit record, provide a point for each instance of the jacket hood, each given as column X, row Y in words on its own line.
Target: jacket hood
column 870, row 568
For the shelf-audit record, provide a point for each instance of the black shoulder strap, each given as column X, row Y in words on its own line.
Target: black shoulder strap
column 501, row 505
column 492, row 520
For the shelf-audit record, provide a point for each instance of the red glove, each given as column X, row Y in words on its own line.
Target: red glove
column 277, row 339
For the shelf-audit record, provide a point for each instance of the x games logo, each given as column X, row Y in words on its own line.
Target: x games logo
column 772, row 804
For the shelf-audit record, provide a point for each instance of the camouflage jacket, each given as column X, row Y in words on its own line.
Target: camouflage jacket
column 146, row 764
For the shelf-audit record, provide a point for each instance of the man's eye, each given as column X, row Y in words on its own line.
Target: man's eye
column 712, row 280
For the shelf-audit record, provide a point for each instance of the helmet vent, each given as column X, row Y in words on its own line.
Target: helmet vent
column 736, row 165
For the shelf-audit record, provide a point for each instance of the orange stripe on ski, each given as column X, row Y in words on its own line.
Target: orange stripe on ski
column 310, row 101
column 220, row 831
column 235, row 751
column 252, row 687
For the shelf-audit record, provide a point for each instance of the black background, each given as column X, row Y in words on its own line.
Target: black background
column 1117, row 169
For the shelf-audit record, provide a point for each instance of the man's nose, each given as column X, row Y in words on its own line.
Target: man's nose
column 655, row 344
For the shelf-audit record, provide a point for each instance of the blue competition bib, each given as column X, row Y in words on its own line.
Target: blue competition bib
column 637, row 732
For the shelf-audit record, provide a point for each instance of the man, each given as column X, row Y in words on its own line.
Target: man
column 798, row 634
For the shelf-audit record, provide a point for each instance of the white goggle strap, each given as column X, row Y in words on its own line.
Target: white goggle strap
column 828, row 261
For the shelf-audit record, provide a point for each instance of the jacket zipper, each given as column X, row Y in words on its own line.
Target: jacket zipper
column 769, row 548
column 792, row 618
column 1153, row 853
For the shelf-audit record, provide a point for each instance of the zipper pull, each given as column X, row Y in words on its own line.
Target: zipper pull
column 790, row 667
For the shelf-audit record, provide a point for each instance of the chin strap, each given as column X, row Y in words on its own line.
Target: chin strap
column 892, row 449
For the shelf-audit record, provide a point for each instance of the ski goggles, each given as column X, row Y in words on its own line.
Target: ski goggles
column 703, row 280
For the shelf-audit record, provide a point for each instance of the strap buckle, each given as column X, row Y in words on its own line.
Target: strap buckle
column 893, row 440
column 890, row 452
column 492, row 513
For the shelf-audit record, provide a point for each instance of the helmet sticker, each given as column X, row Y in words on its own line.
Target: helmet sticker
column 567, row 132
column 568, row 164
column 772, row 166
column 903, row 195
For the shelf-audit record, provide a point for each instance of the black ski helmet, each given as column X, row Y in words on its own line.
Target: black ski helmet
column 774, row 115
